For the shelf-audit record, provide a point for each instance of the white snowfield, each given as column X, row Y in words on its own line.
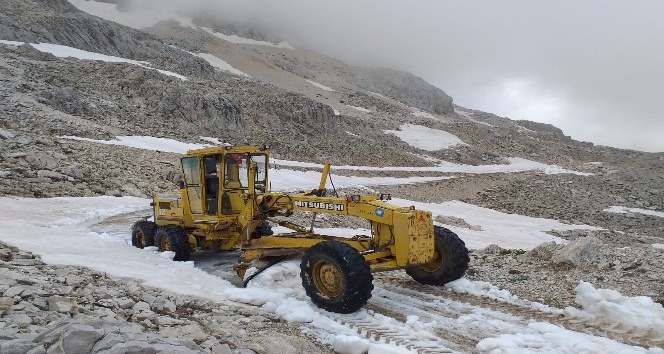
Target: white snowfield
column 419, row 113
column 220, row 64
column 62, row 51
column 625, row 210
column 321, row 86
column 361, row 109
column 242, row 40
column 68, row 231
column 425, row 138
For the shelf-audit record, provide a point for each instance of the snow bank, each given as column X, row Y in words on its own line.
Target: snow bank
column 625, row 210
column 220, row 64
column 545, row 338
column 242, row 40
column 321, row 86
column 425, row 138
column 638, row 315
column 62, row 51
column 350, row 345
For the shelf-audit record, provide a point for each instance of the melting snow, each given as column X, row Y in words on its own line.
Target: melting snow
column 624, row 210
column 220, row 64
column 425, row 138
column 321, row 86
column 361, row 109
column 144, row 142
column 242, row 40
column 62, row 51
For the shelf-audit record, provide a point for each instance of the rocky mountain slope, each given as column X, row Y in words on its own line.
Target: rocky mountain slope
column 309, row 108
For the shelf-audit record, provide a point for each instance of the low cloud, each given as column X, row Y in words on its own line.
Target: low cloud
column 592, row 68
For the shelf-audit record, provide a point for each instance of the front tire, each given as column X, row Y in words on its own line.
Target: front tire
column 336, row 277
column 142, row 234
column 451, row 260
column 174, row 238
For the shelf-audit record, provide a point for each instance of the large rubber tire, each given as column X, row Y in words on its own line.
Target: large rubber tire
column 263, row 229
column 142, row 233
column 174, row 238
column 336, row 277
column 451, row 262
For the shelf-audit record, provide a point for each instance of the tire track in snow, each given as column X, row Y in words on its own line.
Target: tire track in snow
column 402, row 284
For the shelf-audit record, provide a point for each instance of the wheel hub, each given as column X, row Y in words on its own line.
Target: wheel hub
column 328, row 278
column 435, row 265
column 140, row 239
column 165, row 244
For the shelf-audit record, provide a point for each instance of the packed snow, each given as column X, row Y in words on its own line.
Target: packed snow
column 220, row 64
column 625, row 210
column 62, row 51
column 425, row 138
column 242, row 40
column 321, row 86
column 289, row 180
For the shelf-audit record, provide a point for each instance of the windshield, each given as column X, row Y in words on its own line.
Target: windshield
column 236, row 170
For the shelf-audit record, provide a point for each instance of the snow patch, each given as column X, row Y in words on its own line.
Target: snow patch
column 321, row 86
column 659, row 246
column 545, row 338
column 425, row 138
column 144, row 142
column 638, row 315
column 625, row 210
column 361, row 109
column 12, row 43
column 242, row 40
column 350, row 345
column 336, row 112
column 220, row 64
column 62, row 51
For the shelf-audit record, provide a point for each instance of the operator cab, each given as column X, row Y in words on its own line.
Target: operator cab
column 217, row 179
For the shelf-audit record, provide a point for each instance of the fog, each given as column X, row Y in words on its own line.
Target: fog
column 593, row 68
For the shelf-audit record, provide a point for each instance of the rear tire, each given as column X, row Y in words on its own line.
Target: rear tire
column 142, row 234
column 174, row 238
column 336, row 277
column 451, row 262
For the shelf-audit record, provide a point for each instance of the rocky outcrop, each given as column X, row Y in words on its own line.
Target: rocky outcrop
column 404, row 87
column 67, row 309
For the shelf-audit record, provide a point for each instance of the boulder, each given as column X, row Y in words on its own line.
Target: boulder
column 579, row 251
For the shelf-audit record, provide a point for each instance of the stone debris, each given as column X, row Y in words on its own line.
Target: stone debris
column 102, row 315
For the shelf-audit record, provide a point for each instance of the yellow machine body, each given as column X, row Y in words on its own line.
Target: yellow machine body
column 225, row 196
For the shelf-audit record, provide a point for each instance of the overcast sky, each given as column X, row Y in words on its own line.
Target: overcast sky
column 593, row 68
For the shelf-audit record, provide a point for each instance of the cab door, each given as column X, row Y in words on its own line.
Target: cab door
column 192, row 182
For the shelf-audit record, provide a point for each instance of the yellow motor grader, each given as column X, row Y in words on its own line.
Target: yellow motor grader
column 224, row 203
